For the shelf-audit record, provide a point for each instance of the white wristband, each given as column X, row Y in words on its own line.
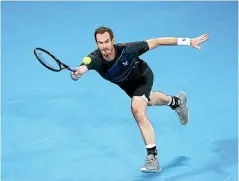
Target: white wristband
column 184, row 41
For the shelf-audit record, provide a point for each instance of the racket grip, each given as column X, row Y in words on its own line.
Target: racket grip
column 73, row 69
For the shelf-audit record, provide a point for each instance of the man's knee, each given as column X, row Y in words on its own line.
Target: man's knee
column 138, row 107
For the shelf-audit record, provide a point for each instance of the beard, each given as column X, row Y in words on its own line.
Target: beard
column 106, row 52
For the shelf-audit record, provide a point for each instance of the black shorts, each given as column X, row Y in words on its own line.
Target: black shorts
column 140, row 86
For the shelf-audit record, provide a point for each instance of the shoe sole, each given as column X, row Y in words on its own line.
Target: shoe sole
column 144, row 170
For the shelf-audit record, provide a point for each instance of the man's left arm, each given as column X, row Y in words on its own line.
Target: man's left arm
column 170, row 41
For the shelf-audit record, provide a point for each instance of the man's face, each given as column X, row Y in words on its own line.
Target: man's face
column 105, row 44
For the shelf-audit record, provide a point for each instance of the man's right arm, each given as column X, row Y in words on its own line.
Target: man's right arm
column 92, row 62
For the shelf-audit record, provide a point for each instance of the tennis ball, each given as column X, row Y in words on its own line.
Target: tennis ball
column 86, row 60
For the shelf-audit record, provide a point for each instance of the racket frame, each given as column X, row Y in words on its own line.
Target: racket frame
column 60, row 64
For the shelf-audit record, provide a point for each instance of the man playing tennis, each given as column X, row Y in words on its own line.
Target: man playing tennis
column 120, row 64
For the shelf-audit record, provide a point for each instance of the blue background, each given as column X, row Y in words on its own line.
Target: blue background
column 56, row 129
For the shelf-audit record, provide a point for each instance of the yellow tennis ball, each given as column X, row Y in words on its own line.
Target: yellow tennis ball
column 87, row 60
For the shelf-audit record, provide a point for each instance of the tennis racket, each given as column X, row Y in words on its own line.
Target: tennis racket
column 50, row 61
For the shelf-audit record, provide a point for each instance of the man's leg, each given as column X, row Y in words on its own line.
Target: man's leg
column 138, row 107
column 177, row 103
column 159, row 99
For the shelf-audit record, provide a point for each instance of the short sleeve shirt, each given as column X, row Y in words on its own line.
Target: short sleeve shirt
column 125, row 66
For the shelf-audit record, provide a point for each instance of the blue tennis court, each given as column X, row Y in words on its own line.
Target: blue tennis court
column 55, row 129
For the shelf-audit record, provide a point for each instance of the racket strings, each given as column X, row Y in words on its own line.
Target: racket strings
column 48, row 60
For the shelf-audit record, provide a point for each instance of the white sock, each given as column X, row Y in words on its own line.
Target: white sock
column 170, row 101
column 150, row 145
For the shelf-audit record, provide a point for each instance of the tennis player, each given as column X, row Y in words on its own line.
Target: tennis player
column 120, row 63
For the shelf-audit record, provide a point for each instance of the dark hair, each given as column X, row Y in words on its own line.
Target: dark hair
column 102, row 30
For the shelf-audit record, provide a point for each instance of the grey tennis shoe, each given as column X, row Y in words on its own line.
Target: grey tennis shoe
column 151, row 164
column 182, row 110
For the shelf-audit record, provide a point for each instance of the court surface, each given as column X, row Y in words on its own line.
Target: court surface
column 55, row 129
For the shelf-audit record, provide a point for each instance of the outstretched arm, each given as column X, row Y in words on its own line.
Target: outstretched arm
column 88, row 63
column 167, row 41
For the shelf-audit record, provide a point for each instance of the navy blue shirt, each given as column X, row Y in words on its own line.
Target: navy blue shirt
column 126, row 65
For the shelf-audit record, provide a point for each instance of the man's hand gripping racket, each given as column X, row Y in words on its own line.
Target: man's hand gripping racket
column 79, row 72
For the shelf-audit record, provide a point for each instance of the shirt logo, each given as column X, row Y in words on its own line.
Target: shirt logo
column 125, row 63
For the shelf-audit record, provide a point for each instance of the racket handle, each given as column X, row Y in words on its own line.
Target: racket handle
column 72, row 69
column 73, row 77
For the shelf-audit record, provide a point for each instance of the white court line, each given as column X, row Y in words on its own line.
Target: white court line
column 41, row 140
